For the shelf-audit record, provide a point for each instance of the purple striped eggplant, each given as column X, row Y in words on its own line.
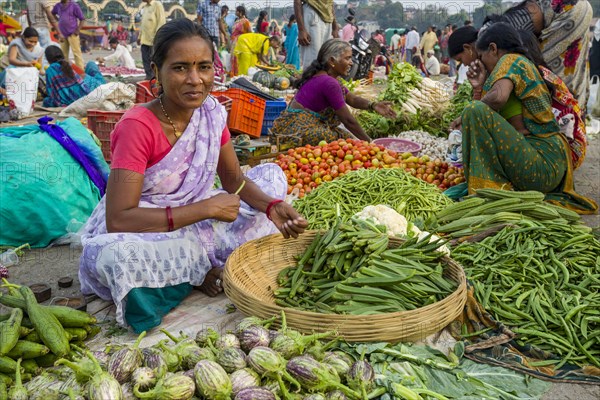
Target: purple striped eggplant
column 255, row 393
column 212, row 381
column 316, row 376
column 254, row 336
column 126, row 360
column 243, row 378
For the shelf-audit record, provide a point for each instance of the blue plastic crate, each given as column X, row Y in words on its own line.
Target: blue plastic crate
column 272, row 111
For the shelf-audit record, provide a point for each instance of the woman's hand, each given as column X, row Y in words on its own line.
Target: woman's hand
column 385, row 108
column 225, row 207
column 213, row 282
column 456, row 124
column 477, row 74
column 287, row 220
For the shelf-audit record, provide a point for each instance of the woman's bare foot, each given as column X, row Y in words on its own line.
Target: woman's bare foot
column 213, row 282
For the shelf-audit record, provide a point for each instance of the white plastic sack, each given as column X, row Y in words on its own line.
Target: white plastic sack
column 225, row 59
column 108, row 97
column 593, row 105
column 21, row 88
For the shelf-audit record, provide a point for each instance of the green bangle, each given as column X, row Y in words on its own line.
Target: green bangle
column 372, row 105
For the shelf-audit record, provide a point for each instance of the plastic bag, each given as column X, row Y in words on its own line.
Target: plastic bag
column 454, row 151
column 593, row 105
column 108, row 97
column 225, row 59
column 21, row 88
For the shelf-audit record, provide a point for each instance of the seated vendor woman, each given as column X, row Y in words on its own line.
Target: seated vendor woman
column 162, row 227
column 63, row 84
column 495, row 153
column 320, row 104
column 23, row 51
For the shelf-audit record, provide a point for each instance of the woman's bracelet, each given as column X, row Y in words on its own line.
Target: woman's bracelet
column 271, row 204
column 170, row 219
column 371, row 105
column 477, row 94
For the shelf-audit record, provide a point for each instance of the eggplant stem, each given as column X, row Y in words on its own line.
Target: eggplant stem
column 169, row 335
column 139, row 340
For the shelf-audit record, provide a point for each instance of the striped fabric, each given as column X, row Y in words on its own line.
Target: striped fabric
column 521, row 19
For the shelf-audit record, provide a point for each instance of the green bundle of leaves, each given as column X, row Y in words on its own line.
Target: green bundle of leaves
column 401, row 79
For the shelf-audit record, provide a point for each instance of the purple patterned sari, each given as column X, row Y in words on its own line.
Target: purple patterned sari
column 112, row 264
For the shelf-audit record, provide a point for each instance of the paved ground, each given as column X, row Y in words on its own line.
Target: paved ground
column 48, row 265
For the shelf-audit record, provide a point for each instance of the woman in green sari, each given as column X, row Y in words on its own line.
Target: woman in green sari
column 532, row 155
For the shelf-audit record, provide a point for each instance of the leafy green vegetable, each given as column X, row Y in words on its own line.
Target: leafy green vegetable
column 351, row 85
column 463, row 96
column 401, row 79
column 428, row 372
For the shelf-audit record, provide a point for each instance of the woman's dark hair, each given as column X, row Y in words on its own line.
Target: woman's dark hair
column 173, row 31
column 261, row 17
column 55, row 54
column 508, row 39
column 534, row 53
column 113, row 40
column 461, row 36
column 292, row 19
column 333, row 48
column 30, row 32
column 532, row 44
column 241, row 10
column 504, row 36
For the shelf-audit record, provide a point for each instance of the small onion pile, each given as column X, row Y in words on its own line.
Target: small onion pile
column 252, row 363
column 432, row 146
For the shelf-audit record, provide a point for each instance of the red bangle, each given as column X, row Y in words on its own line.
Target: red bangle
column 271, row 204
column 170, row 219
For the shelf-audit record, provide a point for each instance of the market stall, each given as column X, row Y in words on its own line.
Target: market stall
column 394, row 292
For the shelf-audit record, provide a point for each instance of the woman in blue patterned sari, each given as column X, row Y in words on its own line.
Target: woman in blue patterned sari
column 63, row 85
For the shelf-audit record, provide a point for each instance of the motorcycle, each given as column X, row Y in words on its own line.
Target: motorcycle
column 362, row 56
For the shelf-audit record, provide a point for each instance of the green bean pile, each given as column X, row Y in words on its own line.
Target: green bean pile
column 409, row 196
column 543, row 280
column 350, row 270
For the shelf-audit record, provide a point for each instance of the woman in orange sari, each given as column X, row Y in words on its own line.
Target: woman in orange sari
column 242, row 25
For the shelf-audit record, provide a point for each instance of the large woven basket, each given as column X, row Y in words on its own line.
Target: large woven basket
column 251, row 276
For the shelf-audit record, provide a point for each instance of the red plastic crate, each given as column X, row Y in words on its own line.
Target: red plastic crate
column 102, row 124
column 247, row 112
column 144, row 92
column 224, row 100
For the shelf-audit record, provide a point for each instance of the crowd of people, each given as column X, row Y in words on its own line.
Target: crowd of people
column 60, row 81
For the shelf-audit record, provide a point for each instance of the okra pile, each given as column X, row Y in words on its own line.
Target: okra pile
column 350, row 270
column 33, row 336
column 534, row 266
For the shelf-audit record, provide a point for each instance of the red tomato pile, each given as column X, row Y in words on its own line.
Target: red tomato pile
column 308, row 166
